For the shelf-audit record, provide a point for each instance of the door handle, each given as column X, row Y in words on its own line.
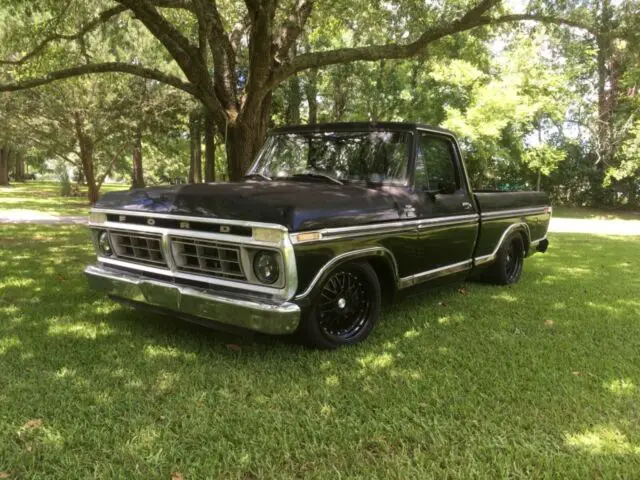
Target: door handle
column 409, row 209
column 467, row 205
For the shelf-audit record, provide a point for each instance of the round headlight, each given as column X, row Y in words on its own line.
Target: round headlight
column 266, row 268
column 103, row 244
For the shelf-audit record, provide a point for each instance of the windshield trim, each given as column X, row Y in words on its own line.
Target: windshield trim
column 404, row 181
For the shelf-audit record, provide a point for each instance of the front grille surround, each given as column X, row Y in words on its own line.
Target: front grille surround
column 192, row 257
column 145, row 248
column 247, row 236
column 207, row 257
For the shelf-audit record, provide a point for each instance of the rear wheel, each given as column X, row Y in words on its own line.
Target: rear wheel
column 345, row 309
column 507, row 268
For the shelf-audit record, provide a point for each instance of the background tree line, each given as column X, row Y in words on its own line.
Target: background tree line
column 542, row 94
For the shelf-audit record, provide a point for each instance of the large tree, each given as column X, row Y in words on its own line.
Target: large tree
column 231, row 57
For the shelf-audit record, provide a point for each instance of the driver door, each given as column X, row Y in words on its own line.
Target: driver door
column 449, row 228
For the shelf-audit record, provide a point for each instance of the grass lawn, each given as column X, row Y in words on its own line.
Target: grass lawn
column 44, row 197
column 538, row 380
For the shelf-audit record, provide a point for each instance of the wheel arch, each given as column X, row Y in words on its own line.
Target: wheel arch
column 523, row 230
column 381, row 260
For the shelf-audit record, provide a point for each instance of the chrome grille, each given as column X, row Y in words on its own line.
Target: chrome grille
column 209, row 257
column 138, row 247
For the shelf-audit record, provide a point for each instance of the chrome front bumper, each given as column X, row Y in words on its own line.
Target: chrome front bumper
column 248, row 313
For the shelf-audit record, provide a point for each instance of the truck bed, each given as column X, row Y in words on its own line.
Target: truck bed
column 491, row 201
column 528, row 212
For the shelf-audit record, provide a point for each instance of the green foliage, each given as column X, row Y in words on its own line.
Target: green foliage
column 65, row 181
column 543, row 158
column 523, row 97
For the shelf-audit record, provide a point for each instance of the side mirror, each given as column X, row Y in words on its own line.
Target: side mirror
column 443, row 189
column 447, row 187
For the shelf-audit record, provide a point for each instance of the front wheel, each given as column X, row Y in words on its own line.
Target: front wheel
column 345, row 309
column 507, row 268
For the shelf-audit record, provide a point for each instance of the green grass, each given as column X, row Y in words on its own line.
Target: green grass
column 45, row 197
column 538, row 380
column 594, row 213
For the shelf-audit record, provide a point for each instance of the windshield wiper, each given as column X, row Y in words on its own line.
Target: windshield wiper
column 257, row 175
column 319, row 175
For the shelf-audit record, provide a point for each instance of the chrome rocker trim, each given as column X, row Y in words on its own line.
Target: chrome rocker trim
column 435, row 273
column 241, row 311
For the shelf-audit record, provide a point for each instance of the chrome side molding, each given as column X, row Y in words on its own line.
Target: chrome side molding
column 337, row 233
column 516, row 212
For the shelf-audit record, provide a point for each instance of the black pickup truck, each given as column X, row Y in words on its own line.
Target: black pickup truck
column 329, row 220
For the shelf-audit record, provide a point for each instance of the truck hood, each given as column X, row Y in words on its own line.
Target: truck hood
column 295, row 205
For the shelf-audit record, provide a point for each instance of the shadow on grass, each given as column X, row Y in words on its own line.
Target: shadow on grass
column 538, row 378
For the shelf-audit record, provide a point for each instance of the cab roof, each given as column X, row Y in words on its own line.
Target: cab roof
column 361, row 127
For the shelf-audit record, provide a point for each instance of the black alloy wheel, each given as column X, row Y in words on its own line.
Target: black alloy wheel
column 346, row 308
column 513, row 261
column 509, row 262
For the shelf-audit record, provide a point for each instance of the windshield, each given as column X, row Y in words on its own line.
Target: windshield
column 379, row 156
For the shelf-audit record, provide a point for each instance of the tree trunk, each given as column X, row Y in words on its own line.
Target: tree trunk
column 245, row 138
column 294, row 100
column 195, row 132
column 4, row 165
column 538, row 181
column 605, row 93
column 138, row 172
column 85, row 142
column 311, row 92
column 340, row 94
column 209, row 148
column 19, row 168
column 378, row 106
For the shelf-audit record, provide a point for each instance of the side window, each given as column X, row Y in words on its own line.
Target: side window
column 435, row 167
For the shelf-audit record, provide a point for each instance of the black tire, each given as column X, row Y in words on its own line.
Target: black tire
column 345, row 309
column 507, row 268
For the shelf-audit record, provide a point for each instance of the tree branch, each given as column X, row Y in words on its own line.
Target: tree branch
column 544, row 19
column 238, row 31
column 474, row 18
column 471, row 19
column 261, row 53
column 110, row 165
column 223, row 53
column 113, row 67
column 293, row 27
column 99, row 20
column 178, row 46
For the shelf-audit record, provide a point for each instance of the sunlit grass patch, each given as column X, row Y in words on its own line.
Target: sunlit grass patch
column 45, row 198
column 531, row 381
column 603, row 440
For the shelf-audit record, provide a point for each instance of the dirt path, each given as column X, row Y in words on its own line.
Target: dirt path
column 39, row 218
column 595, row 226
